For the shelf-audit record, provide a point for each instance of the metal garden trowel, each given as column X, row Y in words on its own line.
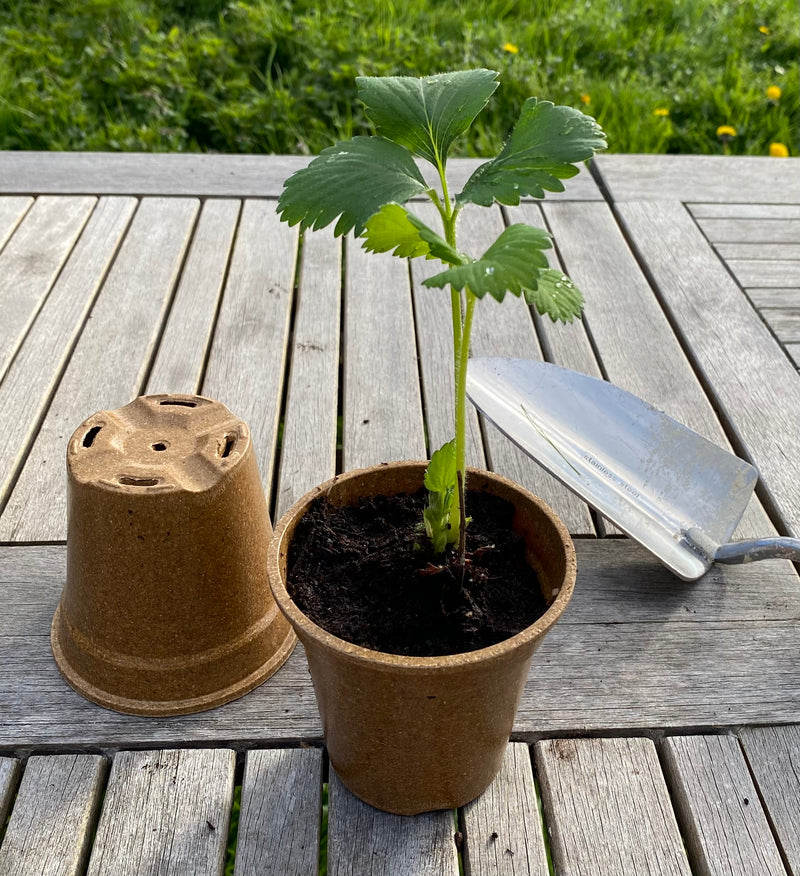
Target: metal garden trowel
column 676, row 493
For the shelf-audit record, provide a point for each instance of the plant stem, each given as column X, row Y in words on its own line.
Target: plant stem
column 462, row 327
column 461, row 383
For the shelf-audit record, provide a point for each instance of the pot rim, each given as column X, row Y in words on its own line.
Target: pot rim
column 305, row 626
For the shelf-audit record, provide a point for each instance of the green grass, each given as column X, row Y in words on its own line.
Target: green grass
column 277, row 76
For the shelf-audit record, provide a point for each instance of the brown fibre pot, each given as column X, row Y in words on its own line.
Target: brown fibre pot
column 166, row 608
column 412, row 734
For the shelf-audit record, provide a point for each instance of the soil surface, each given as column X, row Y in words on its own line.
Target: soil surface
column 355, row 572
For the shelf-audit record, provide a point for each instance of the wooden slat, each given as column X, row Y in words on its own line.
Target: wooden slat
column 50, row 829
column 749, row 232
column 308, row 449
column 109, row 364
column 621, row 310
column 382, row 404
column 365, row 840
column 182, row 352
column 10, row 769
column 774, row 757
column 434, row 337
column 191, row 174
column 31, row 261
column 763, row 274
column 718, row 808
column 607, row 808
column 246, row 365
column 753, row 383
column 745, row 211
column 165, row 812
column 503, row 831
column 279, row 824
column 507, row 329
column 25, row 392
column 778, row 297
column 785, row 322
column 709, row 178
column 11, row 212
column 636, row 648
column 760, row 251
column 794, row 353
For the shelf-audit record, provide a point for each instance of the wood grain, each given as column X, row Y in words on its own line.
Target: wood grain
column 165, row 812
column 636, row 648
column 11, row 212
column 503, row 831
column 774, row 757
column 34, row 374
column 752, row 382
column 710, row 178
column 246, row 365
column 10, row 769
column 30, row 262
column 762, row 273
column 732, row 233
column 621, row 306
column 718, row 808
column 760, row 211
column 184, row 345
column 760, row 251
column 308, row 449
column 279, row 823
column 382, row 408
column 607, row 808
column 365, row 840
column 785, row 322
column 109, row 364
column 50, row 829
column 779, row 297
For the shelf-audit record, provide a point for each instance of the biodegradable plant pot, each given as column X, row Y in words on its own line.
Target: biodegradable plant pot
column 166, row 608
column 412, row 734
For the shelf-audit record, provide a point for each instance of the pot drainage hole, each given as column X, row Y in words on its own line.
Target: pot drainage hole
column 88, row 438
column 138, row 482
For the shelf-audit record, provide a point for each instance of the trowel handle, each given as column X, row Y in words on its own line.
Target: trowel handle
column 759, row 549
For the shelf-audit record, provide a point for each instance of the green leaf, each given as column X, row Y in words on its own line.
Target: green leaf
column 441, row 481
column 541, row 151
column 426, row 114
column 511, row 264
column 440, row 474
column 556, row 296
column 393, row 227
column 351, row 180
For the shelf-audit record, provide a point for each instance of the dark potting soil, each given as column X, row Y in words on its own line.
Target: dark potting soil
column 354, row 571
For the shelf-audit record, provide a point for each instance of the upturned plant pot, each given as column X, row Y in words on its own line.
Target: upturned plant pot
column 166, row 608
column 413, row 734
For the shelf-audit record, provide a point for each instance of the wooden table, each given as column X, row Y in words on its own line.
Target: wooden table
column 660, row 728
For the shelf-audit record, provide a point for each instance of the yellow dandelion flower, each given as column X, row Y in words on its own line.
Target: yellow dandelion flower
column 661, row 111
column 774, row 92
column 511, row 49
column 585, row 98
column 763, row 29
column 778, row 150
column 726, row 131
